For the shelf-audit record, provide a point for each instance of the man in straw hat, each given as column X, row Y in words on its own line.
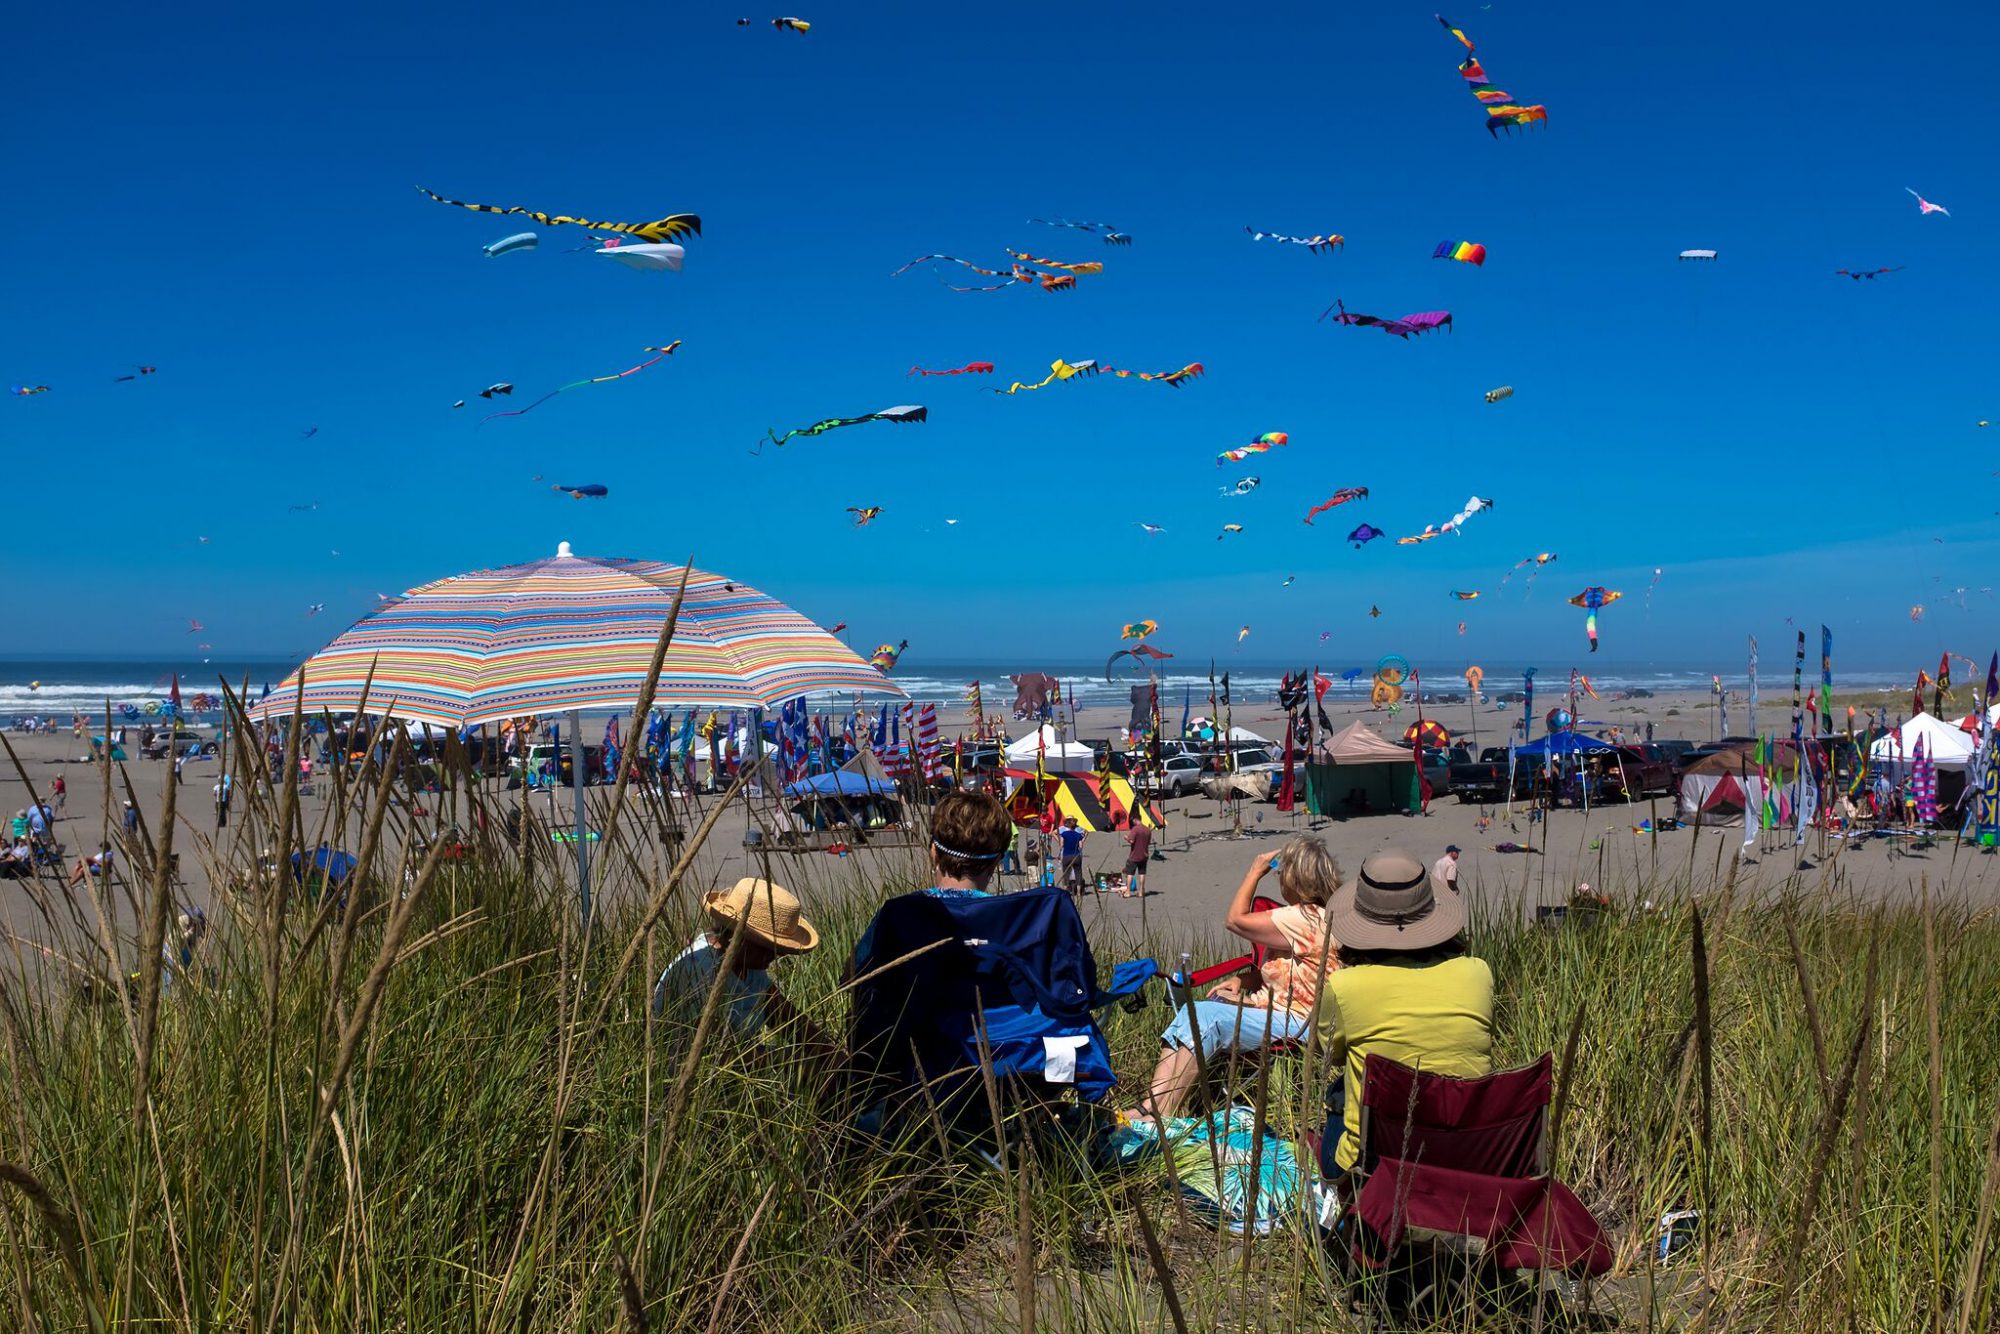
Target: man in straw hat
column 1406, row 989
column 751, row 926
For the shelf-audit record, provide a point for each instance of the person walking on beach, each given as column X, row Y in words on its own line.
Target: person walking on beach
column 131, row 819
column 60, row 791
column 1446, row 868
column 1072, row 856
column 1139, row 846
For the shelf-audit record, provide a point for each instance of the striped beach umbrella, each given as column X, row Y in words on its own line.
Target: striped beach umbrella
column 571, row 633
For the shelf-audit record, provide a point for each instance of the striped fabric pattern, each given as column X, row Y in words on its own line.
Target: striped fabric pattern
column 927, row 740
column 571, row 632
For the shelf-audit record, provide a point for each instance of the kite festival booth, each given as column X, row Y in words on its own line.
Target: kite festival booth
column 1056, row 755
column 1356, row 772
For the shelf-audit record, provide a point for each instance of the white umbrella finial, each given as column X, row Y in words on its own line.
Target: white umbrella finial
column 562, row 551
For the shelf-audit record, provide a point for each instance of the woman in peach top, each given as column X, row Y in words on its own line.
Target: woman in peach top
column 1248, row 1012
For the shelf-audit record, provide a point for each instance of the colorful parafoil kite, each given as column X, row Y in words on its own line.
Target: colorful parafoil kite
column 1244, row 486
column 1111, row 235
column 885, row 656
column 1590, row 599
column 1495, row 395
column 1138, row 629
column 1340, row 497
column 970, row 368
column 663, row 229
column 1227, row 529
column 588, row 491
column 661, row 354
column 907, row 412
column 1328, row 243
column 1263, row 444
column 508, row 245
column 864, row 516
column 1465, row 252
column 1421, row 322
column 1501, row 109
column 1365, row 533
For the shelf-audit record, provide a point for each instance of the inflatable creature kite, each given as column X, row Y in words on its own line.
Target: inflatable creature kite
column 1340, row 497
column 1365, row 533
column 1501, row 109
column 1138, row 629
column 883, row 659
column 588, row 491
column 1139, row 656
column 1590, row 599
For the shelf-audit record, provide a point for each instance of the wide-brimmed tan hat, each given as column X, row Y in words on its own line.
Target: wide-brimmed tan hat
column 770, row 912
column 1394, row 904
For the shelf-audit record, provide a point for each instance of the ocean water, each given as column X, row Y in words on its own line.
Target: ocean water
column 60, row 686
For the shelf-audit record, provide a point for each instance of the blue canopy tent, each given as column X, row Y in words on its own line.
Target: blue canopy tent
column 1562, row 745
column 840, row 783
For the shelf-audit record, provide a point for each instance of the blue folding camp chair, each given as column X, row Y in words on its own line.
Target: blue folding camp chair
column 939, row 974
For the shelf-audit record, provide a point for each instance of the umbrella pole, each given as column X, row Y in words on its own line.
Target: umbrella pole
column 577, row 827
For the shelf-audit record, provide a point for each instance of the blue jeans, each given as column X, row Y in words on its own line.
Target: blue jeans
column 1226, row 1027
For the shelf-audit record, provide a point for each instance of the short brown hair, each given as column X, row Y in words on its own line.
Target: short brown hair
column 969, row 831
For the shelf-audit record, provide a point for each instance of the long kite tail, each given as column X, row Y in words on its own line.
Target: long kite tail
column 664, row 353
column 661, row 229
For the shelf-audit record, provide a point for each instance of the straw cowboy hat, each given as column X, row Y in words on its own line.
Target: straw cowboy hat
column 769, row 912
column 1393, row 904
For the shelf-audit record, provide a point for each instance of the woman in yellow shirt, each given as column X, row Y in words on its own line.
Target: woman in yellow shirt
column 1406, row 989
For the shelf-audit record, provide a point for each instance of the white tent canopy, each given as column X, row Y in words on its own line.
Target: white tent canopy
column 1058, row 756
column 1948, row 747
column 1244, row 734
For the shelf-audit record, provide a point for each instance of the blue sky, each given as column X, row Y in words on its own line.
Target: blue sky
column 227, row 194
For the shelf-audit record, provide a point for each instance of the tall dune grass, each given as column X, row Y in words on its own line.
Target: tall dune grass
column 439, row 1102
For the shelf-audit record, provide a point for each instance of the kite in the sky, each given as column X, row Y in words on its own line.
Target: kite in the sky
column 1329, row 243
column 1173, row 379
column 1537, row 561
column 139, row 370
column 907, row 412
column 1374, row 612
column 1461, row 627
column 588, row 491
column 1111, row 235
column 782, row 25
column 1152, row 529
column 1227, row 529
column 864, row 516
column 1340, row 497
column 315, row 609
column 1243, row 634
column 1870, row 274
column 1495, row 395
column 1421, row 322
column 1139, row 655
column 663, row 229
column 1138, row 629
column 969, row 368
column 195, row 627
column 1917, row 612
column 507, row 245
column 1290, row 579
column 1083, row 270
column 1590, row 599
column 502, row 388
column 300, row 509
column 662, row 353
column 23, row 390
column 1473, row 506
column 1058, row 370
column 1465, row 252
column 1925, row 206
column 1244, row 486
column 1365, row 533
column 657, row 257
column 1263, row 444
column 1465, row 597
column 1049, row 282
column 1501, row 109
column 883, row 659
column 309, row 433
column 1698, row 254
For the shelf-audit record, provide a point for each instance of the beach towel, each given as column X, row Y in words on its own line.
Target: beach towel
column 1226, row 1139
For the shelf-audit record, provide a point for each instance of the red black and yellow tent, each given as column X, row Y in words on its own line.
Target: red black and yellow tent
column 1099, row 803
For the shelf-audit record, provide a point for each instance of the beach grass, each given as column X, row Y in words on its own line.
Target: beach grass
column 437, row 1103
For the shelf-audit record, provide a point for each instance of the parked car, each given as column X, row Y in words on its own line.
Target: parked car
column 1675, row 748
column 168, row 744
column 1437, row 771
column 1483, row 779
column 1177, row 776
column 1243, row 760
column 1643, row 770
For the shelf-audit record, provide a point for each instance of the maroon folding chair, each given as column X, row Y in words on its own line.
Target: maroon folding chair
column 1466, row 1159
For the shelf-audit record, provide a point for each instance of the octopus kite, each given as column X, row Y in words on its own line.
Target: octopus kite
column 1340, row 497
column 864, row 517
column 1263, row 444
column 1111, row 235
column 1465, row 252
column 663, row 229
column 907, row 412
column 1138, row 629
column 588, row 491
column 1316, row 244
column 1501, row 109
column 1590, row 599
column 970, row 368
column 661, row 354
column 1421, row 322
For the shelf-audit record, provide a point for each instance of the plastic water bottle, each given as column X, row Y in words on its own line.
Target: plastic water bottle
column 1678, row 1229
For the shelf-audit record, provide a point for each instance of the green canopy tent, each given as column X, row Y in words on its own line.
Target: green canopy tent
column 1356, row 772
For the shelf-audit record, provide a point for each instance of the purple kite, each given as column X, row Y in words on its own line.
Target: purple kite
column 1367, row 532
column 1421, row 322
